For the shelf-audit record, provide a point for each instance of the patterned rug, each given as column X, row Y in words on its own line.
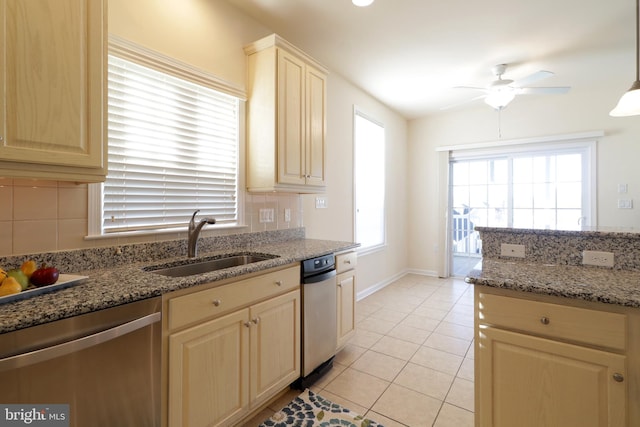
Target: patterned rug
column 312, row 410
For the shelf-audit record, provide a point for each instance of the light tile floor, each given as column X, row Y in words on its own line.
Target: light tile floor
column 411, row 360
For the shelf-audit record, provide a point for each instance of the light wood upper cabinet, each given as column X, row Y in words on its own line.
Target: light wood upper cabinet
column 53, row 89
column 286, row 118
column 539, row 362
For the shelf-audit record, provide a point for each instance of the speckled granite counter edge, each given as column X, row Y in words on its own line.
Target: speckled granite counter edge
column 111, row 284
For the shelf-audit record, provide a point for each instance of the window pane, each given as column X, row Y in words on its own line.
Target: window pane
column 370, row 182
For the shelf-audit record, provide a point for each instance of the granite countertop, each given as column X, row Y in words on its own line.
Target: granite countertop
column 596, row 284
column 108, row 287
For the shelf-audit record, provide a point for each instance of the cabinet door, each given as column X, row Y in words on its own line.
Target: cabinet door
column 275, row 345
column 209, row 372
column 527, row 381
column 315, row 136
column 53, row 82
column 291, row 119
column 346, row 307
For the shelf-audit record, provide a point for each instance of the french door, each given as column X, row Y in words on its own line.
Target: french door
column 533, row 189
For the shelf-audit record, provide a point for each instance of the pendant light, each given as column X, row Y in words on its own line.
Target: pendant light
column 629, row 104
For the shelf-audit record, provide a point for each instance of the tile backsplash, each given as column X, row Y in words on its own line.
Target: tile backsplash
column 42, row 216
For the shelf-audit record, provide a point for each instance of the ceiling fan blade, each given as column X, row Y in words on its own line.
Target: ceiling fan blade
column 484, row 89
column 532, row 78
column 542, row 90
column 468, row 101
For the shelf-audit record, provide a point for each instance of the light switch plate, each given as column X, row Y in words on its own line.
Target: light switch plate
column 321, row 202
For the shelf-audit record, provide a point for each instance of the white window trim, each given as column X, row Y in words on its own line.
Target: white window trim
column 149, row 58
column 369, row 249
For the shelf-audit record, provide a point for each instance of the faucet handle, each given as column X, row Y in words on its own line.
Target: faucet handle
column 193, row 217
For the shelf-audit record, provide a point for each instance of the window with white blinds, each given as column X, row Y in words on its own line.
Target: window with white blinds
column 173, row 148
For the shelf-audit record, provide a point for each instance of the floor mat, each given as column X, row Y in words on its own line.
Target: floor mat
column 312, row 410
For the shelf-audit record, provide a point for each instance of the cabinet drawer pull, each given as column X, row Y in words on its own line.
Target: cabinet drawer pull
column 256, row 320
column 340, row 284
column 216, row 302
column 247, row 324
column 544, row 320
column 347, row 261
column 279, row 282
column 618, row 377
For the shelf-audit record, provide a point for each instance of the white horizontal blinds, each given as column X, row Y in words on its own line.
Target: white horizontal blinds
column 173, row 148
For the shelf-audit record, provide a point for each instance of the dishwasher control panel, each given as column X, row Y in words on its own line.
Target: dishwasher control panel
column 318, row 265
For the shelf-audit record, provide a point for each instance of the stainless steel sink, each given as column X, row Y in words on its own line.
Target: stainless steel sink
column 199, row 266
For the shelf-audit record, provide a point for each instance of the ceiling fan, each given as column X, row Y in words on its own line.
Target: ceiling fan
column 502, row 91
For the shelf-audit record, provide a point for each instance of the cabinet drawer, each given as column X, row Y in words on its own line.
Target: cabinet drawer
column 346, row 261
column 581, row 325
column 213, row 302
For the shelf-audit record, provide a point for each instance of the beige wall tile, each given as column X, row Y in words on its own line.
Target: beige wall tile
column 26, row 182
column 71, row 234
column 35, row 236
column 35, row 203
column 6, row 202
column 6, row 237
column 72, row 203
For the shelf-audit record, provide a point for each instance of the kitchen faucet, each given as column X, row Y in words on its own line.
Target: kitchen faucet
column 194, row 232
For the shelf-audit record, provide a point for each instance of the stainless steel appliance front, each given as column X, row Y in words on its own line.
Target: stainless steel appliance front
column 105, row 365
column 319, row 315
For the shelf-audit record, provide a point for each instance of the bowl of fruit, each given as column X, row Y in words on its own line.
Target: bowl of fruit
column 29, row 280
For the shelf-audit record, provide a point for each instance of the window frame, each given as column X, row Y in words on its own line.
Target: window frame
column 378, row 246
column 162, row 63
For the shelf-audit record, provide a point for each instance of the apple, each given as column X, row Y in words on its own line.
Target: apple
column 45, row 276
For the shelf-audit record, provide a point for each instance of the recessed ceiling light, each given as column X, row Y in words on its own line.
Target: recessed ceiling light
column 362, row 3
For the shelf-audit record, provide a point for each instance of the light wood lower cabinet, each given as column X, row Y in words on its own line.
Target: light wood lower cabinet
column 209, row 372
column 346, row 297
column 228, row 364
column 531, row 371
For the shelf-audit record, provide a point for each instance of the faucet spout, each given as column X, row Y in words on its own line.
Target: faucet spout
column 194, row 232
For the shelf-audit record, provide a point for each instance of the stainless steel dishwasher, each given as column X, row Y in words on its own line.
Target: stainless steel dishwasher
column 319, row 318
column 105, row 365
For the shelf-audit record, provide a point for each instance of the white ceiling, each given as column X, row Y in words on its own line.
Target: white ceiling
column 410, row 54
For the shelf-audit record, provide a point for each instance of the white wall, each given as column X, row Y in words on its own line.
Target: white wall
column 210, row 35
column 336, row 222
column 583, row 109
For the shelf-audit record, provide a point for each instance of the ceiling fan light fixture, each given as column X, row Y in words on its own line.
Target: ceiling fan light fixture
column 362, row 3
column 629, row 104
column 499, row 99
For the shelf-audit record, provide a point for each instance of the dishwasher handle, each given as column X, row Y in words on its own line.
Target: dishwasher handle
column 48, row 353
column 319, row 277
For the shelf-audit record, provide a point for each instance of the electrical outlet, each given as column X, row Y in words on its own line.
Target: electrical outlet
column 508, row 249
column 266, row 215
column 601, row 259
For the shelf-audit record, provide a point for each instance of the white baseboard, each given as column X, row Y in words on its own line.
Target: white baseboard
column 384, row 283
